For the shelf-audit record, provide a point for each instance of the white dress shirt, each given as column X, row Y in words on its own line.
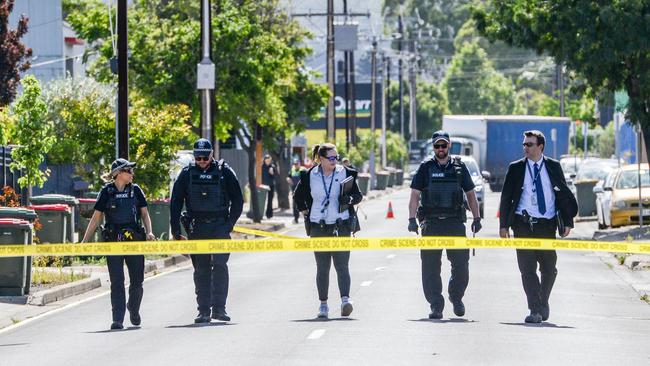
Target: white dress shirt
column 528, row 199
column 318, row 192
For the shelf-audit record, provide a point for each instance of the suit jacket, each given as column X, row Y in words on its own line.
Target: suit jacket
column 513, row 186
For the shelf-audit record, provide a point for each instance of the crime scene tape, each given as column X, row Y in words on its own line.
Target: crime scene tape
column 313, row 244
column 267, row 234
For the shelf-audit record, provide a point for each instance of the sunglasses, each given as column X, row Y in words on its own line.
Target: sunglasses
column 441, row 146
column 332, row 158
column 528, row 144
column 126, row 170
column 201, row 158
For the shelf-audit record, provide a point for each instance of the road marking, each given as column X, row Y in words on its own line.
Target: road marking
column 365, row 283
column 390, row 256
column 380, row 268
column 316, row 334
column 83, row 301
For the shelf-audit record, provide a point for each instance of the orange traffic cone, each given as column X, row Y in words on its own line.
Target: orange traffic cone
column 498, row 214
column 390, row 215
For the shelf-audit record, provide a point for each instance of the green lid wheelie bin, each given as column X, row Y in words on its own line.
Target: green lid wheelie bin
column 160, row 216
column 13, row 270
column 86, row 210
column 54, row 219
column 27, row 214
column 52, row 199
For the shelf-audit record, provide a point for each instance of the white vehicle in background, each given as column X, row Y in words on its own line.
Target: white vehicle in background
column 478, row 177
column 603, row 191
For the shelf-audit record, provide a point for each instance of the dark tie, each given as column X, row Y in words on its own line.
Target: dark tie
column 540, row 191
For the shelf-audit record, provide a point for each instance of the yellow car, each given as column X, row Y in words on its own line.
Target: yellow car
column 624, row 204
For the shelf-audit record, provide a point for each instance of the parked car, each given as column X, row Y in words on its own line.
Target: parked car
column 591, row 171
column 479, row 178
column 603, row 191
column 624, row 201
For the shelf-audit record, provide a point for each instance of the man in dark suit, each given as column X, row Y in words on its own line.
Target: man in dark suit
column 534, row 196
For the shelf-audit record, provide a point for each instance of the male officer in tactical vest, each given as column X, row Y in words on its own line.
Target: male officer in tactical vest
column 437, row 202
column 210, row 191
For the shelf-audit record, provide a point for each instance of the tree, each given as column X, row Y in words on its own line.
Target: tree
column 13, row 53
column 606, row 43
column 33, row 134
column 430, row 107
column 474, row 87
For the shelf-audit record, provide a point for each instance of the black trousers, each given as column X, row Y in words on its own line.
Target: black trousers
column 210, row 270
column 135, row 266
column 324, row 261
column 538, row 291
column 432, row 263
column 296, row 213
column 269, row 202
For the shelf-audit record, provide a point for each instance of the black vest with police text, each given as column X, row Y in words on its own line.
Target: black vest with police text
column 207, row 194
column 122, row 206
column 443, row 195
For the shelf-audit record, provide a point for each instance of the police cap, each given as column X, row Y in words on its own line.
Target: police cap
column 202, row 147
column 120, row 164
column 440, row 135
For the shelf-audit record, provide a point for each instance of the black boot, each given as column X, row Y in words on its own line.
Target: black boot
column 117, row 326
column 459, row 307
column 534, row 318
column 202, row 318
column 219, row 313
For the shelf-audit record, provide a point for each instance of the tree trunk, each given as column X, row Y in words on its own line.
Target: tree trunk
column 283, row 162
column 252, row 182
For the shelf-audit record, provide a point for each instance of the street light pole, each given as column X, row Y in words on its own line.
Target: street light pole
column 400, row 66
column 122, row 81
column 206, row 73
column 373, row 108
column 331, row 116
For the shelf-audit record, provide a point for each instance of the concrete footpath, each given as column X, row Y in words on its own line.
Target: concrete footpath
column 16, row 309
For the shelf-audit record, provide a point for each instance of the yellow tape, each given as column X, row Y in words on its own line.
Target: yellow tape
column 267, row 234
column 313, row 244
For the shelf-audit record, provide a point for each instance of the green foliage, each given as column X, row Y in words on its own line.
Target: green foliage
column 33, row 134
column 474, row 87
column 84, row 118
column 7, row 125
column 430, row 107
column 606, row 43
column 156, row 135
column 606, row 141
column 396, row 151
column 14, row 58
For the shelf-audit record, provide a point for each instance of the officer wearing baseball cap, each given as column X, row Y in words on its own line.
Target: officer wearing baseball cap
column 210, row 191
column 124, row 206
column 437, row 203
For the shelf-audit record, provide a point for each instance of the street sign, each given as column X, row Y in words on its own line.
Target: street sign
column 205, row 74
column 346, row 37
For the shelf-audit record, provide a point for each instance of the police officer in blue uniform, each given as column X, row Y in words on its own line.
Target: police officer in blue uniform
column 125, row 208
column 210, row 191
column 438, row 203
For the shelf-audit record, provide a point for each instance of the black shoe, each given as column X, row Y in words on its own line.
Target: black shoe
column 116, row 326
column 435, row 314
column 534, row 318
column 459, row 307
column 135, row 318
column 220, row 314
column 545, row 311
column 202, row 318
column 295, row 221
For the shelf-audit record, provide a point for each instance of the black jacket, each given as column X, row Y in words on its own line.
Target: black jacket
column 302, row 195
column 513, row 186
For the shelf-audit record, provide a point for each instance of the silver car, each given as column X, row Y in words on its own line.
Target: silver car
column 478, row 177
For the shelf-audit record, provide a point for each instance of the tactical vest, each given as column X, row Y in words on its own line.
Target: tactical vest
column 122, row 207
column 207, row 194
column 443, row 195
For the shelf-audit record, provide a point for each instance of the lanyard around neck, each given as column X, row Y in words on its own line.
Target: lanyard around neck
column 328, row 191
column 539, row 171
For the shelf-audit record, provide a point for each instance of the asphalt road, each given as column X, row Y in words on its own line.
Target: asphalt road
column 596, row 318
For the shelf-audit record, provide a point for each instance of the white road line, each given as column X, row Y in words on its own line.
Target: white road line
column 365, row 283
column 390, row 256
column 316, row 334
column 380, row 268
column 75, row 304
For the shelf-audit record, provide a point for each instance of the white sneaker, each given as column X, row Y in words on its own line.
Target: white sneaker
column 323, row 311
column 346, row 308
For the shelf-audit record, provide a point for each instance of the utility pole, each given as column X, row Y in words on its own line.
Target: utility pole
column 400, row 66
column 331, row 113
column 560, row 86
column 373, row 108
column 387, row 92
column 122, row 81
column 206, row 73
column 347, row 93
column 412, row 95
column 384, row 102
